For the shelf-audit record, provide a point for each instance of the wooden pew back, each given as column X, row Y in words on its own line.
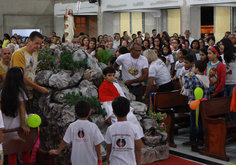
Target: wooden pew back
column 171, row 99
column 217, row 106
column 16, row 141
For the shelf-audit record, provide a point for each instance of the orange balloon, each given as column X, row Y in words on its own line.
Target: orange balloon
column 194, row 104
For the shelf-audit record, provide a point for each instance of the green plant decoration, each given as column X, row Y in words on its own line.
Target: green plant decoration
column 67, row 62
column 46, row 59
column 98, row 81
column 95, row 103
column 104, row 56
column 161, row 126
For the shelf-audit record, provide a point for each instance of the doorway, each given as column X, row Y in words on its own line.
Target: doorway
column 207, row 21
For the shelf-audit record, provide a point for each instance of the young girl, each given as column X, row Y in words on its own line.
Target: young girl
column 85, row 43
column 13, row 41
column 170, row 63
column 201, row 43
column 216, row 65
column 151, row 42
column 177, row 46
column 13, row 97
column 146, row 44
column 229, row 60
column 186, row 43
column 180, row 63
column 203, row 54
column 157, row 44
column 6, row 40
column 92, row 48
column 194, row 51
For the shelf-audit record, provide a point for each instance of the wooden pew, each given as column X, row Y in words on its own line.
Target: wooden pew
column 164, row 102
column 216, row 129
column 16, row 141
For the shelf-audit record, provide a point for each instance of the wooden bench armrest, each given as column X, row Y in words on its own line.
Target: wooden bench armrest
column 214, row 121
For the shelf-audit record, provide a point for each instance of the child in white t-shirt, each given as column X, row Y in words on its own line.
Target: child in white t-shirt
column 85, row 137
column 170, row 63
column 1, row 138
column 187, row 68
column 123, row 138
column 180, row 63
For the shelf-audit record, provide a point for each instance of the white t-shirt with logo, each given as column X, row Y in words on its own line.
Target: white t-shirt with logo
column 175, row 55
column 132, row 68
column 122, row 136
column 1, row 127
column 84, row 136
column 178, row 68
column 159, row 72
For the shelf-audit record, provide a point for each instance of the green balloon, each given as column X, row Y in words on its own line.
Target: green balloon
column 34, row 120
column 198, row 93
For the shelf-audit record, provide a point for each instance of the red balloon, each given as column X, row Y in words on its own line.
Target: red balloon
column 194, row 104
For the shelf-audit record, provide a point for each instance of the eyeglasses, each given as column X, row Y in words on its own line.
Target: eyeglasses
column 6, row 53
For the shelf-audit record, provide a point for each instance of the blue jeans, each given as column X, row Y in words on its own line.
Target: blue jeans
column 196, row 134
column 228, row 91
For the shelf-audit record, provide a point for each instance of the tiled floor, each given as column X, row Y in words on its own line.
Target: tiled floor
column 183, row 136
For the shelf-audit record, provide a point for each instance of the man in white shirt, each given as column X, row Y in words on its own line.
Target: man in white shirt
column 134, row 69
column 117, row 40
column 187, row 36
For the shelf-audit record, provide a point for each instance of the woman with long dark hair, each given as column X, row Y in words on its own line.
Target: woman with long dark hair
column 229, row 59
column 14, row 104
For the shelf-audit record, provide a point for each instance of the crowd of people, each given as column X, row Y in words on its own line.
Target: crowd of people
column 158, row 60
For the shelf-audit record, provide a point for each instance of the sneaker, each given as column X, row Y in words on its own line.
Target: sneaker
column 188, row 144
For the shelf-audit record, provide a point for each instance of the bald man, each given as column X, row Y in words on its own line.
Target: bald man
column 5, row 64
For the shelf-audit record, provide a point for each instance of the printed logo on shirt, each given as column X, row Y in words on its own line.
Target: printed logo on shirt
column 81, row 133
column 213, row 78
column 121, row 142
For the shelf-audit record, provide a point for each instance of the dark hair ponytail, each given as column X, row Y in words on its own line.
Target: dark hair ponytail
column 14, row 86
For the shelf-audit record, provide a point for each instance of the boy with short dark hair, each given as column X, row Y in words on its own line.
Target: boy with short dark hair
column 192, row 82
column 85, row 137
column 123, row 138
column 108, row 91
column 188, row 67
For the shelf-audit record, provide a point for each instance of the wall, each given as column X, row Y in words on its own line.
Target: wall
column 116, row 23
column 173, row 21
column 150, row 23
column 26, row 14
column 124, row 23
column 222, row 21
column 137, row 24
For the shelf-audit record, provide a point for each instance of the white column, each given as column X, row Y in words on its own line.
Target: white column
column 195, row 25
column 185, row 17
column 100, row 21
column 116, row 23
column 150, row 23
column 108, row 18
column 163, row 21
column 59, row 25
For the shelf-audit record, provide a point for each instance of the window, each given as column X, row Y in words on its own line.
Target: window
column 24, row 32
